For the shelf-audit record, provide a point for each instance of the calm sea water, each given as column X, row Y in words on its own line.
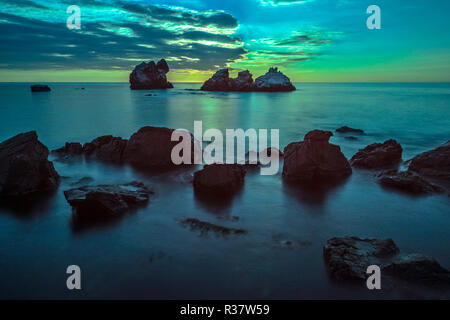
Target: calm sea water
column 149, row 254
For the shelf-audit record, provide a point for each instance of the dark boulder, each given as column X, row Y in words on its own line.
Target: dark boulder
column 40, row 88
column 434, row 163
column 346, row 129
column 219, row 178
column 69, row 149
column 378, row 155
column 147, row 76
column 151, row 147
column 347, row 258
column 24, row 166
column 109, row 200
column 106, row 148
column 315, row 159
column 407, row 181
column 273, row 81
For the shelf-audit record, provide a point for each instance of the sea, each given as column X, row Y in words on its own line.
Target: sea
column 150, row 254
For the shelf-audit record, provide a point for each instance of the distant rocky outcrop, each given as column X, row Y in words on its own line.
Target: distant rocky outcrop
column 219, row 178
column 434, row 163
column 24, row 166
column 109, row 200
column 273, row 80
column 314, row 159
column 378, row 155
column 40, row 88
column 347, row 259
column 346, row 129
column 147, row 76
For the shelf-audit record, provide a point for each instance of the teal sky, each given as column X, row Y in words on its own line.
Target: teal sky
column 309, row 40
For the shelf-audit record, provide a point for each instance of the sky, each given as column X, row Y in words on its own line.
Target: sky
column 308, row 40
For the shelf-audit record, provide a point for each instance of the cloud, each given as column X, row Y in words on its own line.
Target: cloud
column 127, row 34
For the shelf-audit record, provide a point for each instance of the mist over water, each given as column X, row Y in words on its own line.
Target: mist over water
column 149, row 254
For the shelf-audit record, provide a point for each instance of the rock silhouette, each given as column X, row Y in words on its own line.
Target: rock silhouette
column 147, row 76
column 378, row 155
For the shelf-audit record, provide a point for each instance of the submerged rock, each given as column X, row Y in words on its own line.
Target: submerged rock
column 314, row 159
column 378, row 155
column 407, row 181
column 205, row 227
column 346, row 129
column 347, row 259
column 40, row 88
column 219, row 178
column 434, row 163
column 110, row 200
column 147, row 76
column 24, row 166
column 273, row 80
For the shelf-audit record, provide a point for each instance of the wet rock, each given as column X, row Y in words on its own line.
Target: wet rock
column 205, row 227
column 24, row 166
column 69, row 149
column 147, row 76
column 219, row 178
column 273, row 81
column 420, row 269
column 347, row 258
column 434, row 163
column 378, row 155
column 40, row 88
column 314, row 159
column 151, row 147
column 110, row 200
column 106, row 148
column 346, row 129
column 407, row 181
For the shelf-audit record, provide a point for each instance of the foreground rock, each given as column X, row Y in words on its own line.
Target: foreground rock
column 147, row 76
column 315, row 159
column 219, row 178
column 40, row 88
column 106, row 148
column 151, row 147
column 434, row 164
column 273, row 80
column 346, row 129
column 24, row 166
column 111, row 200
column 378, row 155
column 347, row 259
column 407, row 181
column 205, row 227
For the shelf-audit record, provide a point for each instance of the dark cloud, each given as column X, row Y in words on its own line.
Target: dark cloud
column 27, row 43
column 303, row 38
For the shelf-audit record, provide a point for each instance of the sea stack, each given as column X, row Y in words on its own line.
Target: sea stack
column 272, row 81
column 151, row 75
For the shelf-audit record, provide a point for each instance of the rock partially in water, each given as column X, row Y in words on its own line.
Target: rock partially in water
column 350, row 138
column 205, row 227
column 314, row 159
column 147, row 76
column 273, row 80
column 347, row 258
column 378, row 155
column 219, row 178
column 434, row 163
column 24, row 166
column 109, row 200
column 69, row 149
column 151, row 147
column 40, row 88
column 346, row 129
column 106, row 148
column 407, row 181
